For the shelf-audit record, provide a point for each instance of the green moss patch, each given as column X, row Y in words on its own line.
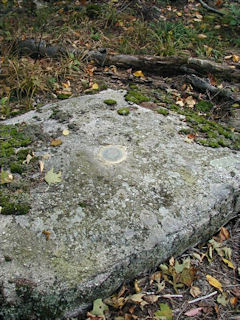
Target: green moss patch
column 163, row 111
column 14, row 148
column 204, row 106
column 210, row 133
column 123, row 111
column 110, row 102
column 136, row 97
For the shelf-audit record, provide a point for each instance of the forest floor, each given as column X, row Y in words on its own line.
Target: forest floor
column 204, row 282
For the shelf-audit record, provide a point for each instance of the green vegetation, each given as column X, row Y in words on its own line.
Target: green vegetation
column 136, row 97
column 163, row 111
column 123, row 111
column 110, row 102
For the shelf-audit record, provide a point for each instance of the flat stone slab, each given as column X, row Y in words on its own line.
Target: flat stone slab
column 133, row 193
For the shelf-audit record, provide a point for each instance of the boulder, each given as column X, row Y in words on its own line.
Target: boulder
column 132, row 193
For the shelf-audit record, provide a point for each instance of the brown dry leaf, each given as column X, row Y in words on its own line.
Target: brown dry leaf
column 201, row 36
column 41, row 165
column 171, row 261
column 195, row 291
column 180, row 102
column 212, row 79
column 151, row 298
column 28, row 159
column 155, row 277
column 233, row 301
column 214, row 282
column 224, row 234
column 138, row 297
column 47, row 234
column 56, row 142
column 66, row 84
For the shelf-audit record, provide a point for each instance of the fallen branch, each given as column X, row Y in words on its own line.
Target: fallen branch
column 165, row 66
column 203, row 85
column 203, row 297
column 210, row 8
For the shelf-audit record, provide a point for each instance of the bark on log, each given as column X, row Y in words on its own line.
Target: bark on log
column 164, row 66
column 204, row 86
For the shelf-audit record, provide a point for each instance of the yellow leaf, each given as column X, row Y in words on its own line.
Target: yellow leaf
column 201, row 36
column 236, row 58
column 136, row 286
column 179, row 13
column 95, row 86
column 228, row 263
column 214, row 282
column 56, row 142
column 138, row 74
column 65, row 132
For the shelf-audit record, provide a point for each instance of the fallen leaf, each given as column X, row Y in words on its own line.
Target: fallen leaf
column 160, row 286
column 171, row 261
column 65, row 132
column 236, row 58
column 138, row 74
column 214, row 282
column 224, row 234
column 222, row 299
column 233, row 301
column 47, row 234
column 28, row 159
column 41, row 165
column 193, row 312
column 190, row 101
column 99, row 307
column 195, row 291
column 138, row 297
column 95, row 86
column 201, row 36
column 52, row 177
column 228, row 263
column 136, row 286
column 151, row 298
column 56, row 142
column 164, row 312
column 180, row 102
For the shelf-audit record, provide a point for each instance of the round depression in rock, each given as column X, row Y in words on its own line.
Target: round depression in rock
column 112, row 154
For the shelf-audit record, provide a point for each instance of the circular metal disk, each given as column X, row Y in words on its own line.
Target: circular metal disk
column 112, row 154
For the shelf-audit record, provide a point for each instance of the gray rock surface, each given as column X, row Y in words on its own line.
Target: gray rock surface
column 118, row 211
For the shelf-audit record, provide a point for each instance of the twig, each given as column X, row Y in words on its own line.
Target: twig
column 171, row 296
column 210, row 8
column 203, row 297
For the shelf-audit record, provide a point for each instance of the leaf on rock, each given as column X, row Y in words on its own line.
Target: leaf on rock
column 214, row 282
column 99, row 307
column 52, row 177
column 65, row 132
column 56, row 142
column 164, row 312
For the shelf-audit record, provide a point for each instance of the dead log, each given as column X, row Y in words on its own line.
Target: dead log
column 204, row 86
column 164, row 66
